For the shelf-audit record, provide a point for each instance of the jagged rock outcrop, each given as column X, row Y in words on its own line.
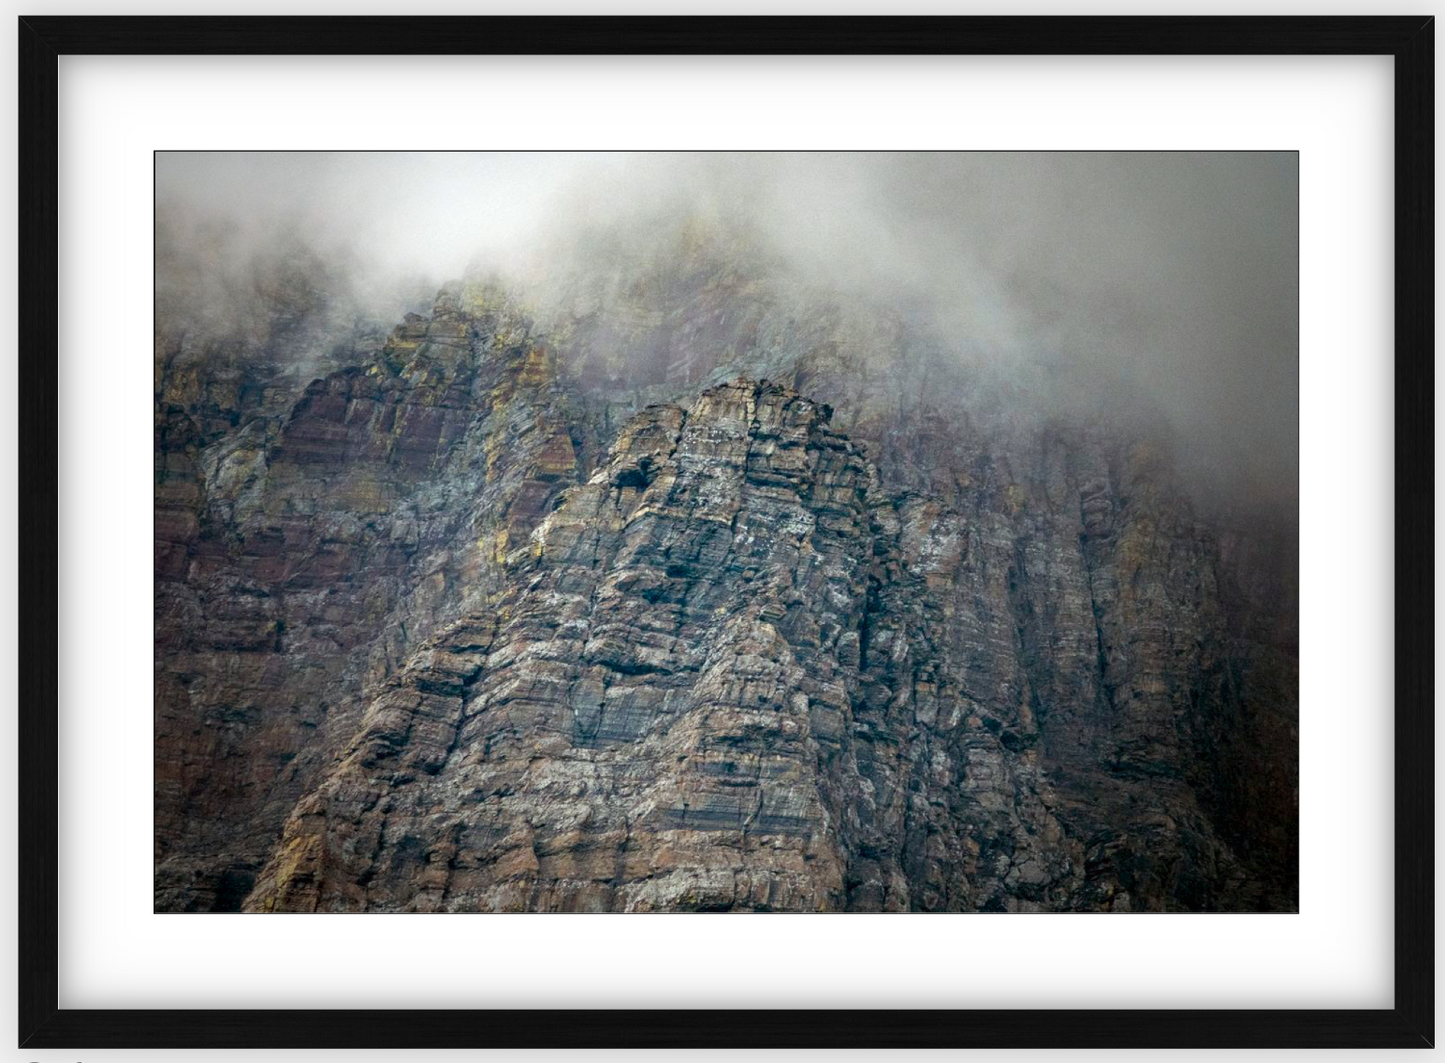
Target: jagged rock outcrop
column 468, row 625
column 693, row 694
column 323, row 543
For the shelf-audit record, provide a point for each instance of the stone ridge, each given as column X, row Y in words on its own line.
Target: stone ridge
column 682, row 702
column 457, row 630
column 299, row 558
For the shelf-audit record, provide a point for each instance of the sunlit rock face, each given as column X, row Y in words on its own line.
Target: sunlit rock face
column 697, row 590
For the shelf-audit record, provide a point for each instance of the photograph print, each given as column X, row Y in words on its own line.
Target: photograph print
column 726, row 532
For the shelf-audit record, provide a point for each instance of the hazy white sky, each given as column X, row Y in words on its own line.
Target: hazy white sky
column 1178, row 270
column 431, row 211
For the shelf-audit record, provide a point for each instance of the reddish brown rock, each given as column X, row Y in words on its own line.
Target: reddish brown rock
column 467, row 626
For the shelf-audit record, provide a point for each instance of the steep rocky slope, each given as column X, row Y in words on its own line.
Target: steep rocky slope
column 701, row 592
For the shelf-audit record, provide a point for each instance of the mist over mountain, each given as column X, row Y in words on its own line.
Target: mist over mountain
column 1170, row 278
column 726, row 531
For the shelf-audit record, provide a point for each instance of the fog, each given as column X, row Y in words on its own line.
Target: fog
column 1174, row 272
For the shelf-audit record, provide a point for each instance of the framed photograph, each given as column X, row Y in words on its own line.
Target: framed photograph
column 953, row 495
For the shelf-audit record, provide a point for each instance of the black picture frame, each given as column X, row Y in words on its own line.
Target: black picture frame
column 1411, row 1022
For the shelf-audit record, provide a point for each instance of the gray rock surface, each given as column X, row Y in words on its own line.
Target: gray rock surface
column 704, row 593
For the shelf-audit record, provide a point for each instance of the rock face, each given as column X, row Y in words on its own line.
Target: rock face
column 473, row 623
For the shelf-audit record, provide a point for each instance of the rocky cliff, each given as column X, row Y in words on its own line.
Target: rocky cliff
column 697, row 591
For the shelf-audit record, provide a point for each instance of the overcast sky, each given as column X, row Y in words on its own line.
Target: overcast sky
column 1179, row 270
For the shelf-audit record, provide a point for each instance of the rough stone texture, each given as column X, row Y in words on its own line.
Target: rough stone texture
column 298, row 559
column 467, row 625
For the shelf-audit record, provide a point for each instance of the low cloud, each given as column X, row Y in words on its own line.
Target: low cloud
column 1173, row 273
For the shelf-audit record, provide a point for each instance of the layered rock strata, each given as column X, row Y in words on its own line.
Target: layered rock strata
column 466, row 625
